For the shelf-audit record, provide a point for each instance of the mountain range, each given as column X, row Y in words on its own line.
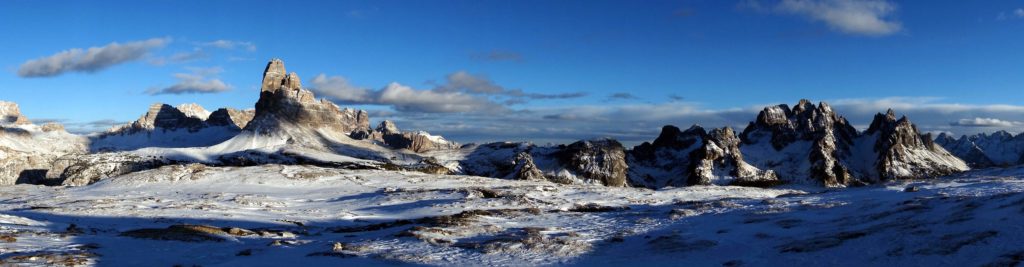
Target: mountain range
column 804, row 144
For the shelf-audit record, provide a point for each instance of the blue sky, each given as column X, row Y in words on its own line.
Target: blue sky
column 527, row 70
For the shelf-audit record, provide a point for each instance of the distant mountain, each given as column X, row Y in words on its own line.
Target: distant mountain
column 27, row 150
column 986, row 150
column 187, row 125
column 811, row 143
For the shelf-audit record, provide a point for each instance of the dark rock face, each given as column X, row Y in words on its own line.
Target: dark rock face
column 600, row 160
column 283, row 103
column 787, row 140
column 693, row 157
column 389, row 134
column 827, row 134
column 720, row 154
column 904, row 154
column 585, row 162
column 231, row 117
column 84, row 169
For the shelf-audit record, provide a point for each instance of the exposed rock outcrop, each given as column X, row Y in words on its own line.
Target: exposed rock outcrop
column 27, row 150
column 188, row 125
column 84, row 169
column 284, row 103
column 694, row 157
column 814, row 142
column 10, row 114
column 600, row 162
column 231, row 117
column 388, row 134
column 902, row 153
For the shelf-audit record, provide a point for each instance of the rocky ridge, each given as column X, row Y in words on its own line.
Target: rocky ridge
column 600, row 161
column 694, row 157
column 813, row 144
column 187, row 125
column 998, row 149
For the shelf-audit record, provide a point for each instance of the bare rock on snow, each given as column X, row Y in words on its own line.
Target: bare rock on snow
column 814, row 142
column 602, row 161
column 904, row 154
column 231, row 117
column 694, row 157
column 84, row 169
column 284, row 103
column 10, row 114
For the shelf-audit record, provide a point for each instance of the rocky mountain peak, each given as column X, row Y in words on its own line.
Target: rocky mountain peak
column 388, row 127
column 165, row 116
column 230, row 117
column 273, row 75
column 10, row 113
column 804, row 122
column 284, row 103
column 194, row 110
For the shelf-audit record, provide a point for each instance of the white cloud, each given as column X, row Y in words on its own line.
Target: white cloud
column 229, row 44
column 861, row 17
column 401, row 98
column 984, row 122
column 89, row 60
column 461, row 92
column 197, row 82
column 462, row 81
column 498, row 56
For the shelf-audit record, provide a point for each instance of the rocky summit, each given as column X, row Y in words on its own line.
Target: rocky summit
column 163, row 125
column 10, row 114
column 694, row 157
column 283, row 104
column 813, row 144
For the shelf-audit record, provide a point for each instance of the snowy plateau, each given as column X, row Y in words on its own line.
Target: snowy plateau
column 299, row 181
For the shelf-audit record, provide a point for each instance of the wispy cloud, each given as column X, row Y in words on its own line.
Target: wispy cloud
column 199, row 81
column 229, row 44
column 180, row 57
column 498, row 55
column 622, row 96
column 1016, row 13
column 859, row 17
column 89, row 60
column 984, row 122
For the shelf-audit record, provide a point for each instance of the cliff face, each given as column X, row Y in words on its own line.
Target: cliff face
column 284, row 103
column 601, row 162
column 694, row 157
column 814, row 142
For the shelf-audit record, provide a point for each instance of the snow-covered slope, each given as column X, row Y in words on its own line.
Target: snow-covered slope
column 301, row 215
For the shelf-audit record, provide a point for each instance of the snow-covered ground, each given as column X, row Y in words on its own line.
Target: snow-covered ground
column 303, row 216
